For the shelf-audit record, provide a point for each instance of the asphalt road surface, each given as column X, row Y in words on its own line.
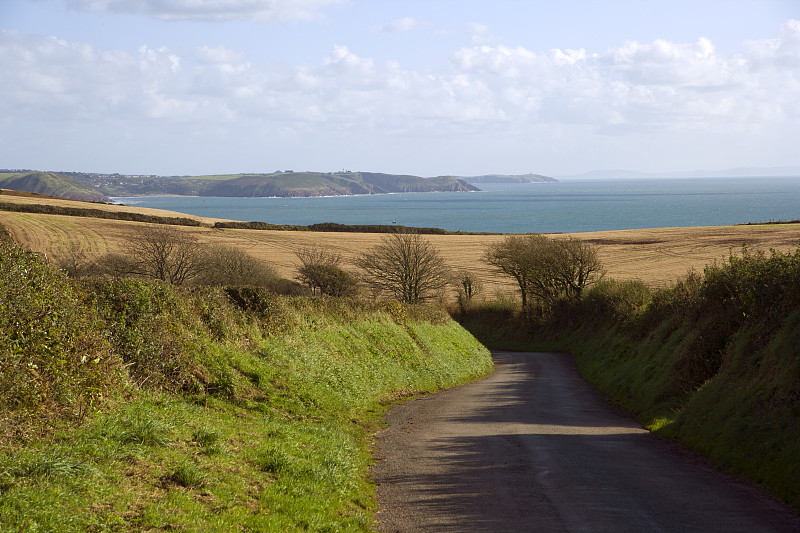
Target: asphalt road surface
column 534, row 448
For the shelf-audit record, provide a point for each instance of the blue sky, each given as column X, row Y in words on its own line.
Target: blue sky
column 421, row 87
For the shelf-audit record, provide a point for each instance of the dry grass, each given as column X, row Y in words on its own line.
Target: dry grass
column 655, row 256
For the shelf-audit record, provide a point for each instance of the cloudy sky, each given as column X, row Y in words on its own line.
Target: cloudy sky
column 425, row 87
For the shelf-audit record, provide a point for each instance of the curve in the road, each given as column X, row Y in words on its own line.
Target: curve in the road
column 534, row 448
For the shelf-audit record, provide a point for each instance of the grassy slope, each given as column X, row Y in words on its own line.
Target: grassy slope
column 745, row 418
column 204, row 410
column 712, row 361
column 319, row 183
column 52, row 185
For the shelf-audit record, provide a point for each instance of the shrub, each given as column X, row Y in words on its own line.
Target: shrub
column 546, row 269
column 320, row 271
column 53, row 362
column 620, row 301
column 151, row 329
column 224, row 265
column 467, row 287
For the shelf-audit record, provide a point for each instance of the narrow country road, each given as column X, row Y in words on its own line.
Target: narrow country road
column 534, row 448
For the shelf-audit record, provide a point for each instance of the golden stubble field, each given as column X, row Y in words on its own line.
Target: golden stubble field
column 655, row 256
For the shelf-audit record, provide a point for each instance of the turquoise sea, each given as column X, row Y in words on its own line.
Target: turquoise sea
column 566, row 206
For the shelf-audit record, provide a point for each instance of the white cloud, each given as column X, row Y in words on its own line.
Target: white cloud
column 780, row 52
column 480, row 33
column 487, row 92
column 210, row 10
column 219, row 55
column 672, row 64
column 399, row 26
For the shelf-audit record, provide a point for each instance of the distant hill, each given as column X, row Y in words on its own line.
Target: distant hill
column 283, row 184
column 51, row 184
column 508, row 178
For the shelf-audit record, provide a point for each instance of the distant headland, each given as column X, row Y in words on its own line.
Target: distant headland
column 284, row 183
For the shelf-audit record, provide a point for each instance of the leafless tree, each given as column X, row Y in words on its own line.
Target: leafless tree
column 75, row 264
column 160, row 252
column 406, row 266
column 467, row 286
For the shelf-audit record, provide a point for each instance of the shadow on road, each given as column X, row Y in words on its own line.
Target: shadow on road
column 533, row 448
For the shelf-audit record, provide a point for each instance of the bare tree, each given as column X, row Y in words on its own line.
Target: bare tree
column 75, row 264
column 467, row 286
column 160, row 252
column 546, row 269
column 406, row 266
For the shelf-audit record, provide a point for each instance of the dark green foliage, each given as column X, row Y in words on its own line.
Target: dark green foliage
column 797, row 221
column 340, row 228
column 150, row 328
column 258, row 226
column 53, row 360
column 330, row 280
column 712, row 360
column 376, row 228
column 320, row 271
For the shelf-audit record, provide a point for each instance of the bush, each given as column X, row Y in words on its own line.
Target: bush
column 619, row 301
column 53, row 362
column 546, row 269
column 150, row 328
column 224, row 265
column 320, row 271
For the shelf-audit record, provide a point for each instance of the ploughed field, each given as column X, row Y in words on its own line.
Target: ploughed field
column 655, row 256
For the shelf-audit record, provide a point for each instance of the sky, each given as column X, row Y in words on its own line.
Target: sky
column 423, row 87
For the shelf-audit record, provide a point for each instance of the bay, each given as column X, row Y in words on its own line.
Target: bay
column 567, row 206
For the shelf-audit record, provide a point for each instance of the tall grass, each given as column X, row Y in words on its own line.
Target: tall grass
column 147, row 406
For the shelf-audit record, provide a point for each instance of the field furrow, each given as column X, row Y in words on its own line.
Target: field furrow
column 655, row 256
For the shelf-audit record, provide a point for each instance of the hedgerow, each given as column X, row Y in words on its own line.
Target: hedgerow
column 711, row 360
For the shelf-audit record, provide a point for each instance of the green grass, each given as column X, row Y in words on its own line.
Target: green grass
column 711, row 361
column 262, row 419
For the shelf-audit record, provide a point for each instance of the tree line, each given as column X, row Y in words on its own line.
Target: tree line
column 404, row 266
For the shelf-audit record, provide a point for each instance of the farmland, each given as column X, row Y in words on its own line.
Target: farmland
column 655, row 256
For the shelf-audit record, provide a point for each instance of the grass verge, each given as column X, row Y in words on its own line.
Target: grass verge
column 215, row 409
column 711, row 361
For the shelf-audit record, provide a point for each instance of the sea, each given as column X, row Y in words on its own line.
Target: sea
column 564, row 207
